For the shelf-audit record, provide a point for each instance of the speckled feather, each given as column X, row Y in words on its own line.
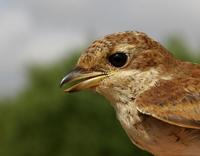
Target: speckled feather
column 102, row 48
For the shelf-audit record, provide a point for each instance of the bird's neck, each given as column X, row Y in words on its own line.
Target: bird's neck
column 122, row 91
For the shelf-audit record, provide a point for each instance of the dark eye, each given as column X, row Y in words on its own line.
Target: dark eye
column 118, row 59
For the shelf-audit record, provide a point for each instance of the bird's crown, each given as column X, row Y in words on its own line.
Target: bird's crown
column 130, row 43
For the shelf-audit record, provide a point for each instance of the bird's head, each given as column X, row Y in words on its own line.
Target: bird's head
column 116, row 60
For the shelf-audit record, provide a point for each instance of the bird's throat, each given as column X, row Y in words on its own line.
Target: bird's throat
column 125, row 86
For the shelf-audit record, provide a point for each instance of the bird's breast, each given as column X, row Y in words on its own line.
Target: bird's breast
column 157, row 136
column 132, row 122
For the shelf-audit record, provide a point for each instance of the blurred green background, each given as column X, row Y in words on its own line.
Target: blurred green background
column 43, row 121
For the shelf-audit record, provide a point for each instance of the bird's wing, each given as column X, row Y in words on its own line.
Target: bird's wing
column 175, row 102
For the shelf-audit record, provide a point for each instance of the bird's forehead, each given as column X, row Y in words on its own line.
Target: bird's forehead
column 109, row 42
column 117, row 41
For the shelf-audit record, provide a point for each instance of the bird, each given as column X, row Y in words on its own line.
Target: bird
column 155, row 95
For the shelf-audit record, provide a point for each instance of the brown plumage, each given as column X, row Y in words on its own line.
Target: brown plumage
column 156, row 97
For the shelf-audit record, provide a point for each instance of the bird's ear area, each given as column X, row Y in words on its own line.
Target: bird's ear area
column 172, row 102
column 151, row 58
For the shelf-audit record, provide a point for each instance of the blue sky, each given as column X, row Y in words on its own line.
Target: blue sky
column 40, row 31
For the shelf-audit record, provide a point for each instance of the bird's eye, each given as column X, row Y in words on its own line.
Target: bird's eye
column 118, row 59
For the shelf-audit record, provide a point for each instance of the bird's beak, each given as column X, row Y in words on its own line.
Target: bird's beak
column 83, row 79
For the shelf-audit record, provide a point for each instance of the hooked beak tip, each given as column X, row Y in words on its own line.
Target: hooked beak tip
column 70, row 76
column 63, row 81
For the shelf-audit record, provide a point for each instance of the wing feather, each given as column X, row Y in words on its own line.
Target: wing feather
column 176, row 102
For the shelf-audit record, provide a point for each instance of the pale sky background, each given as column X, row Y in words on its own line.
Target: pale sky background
column 41, row 31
